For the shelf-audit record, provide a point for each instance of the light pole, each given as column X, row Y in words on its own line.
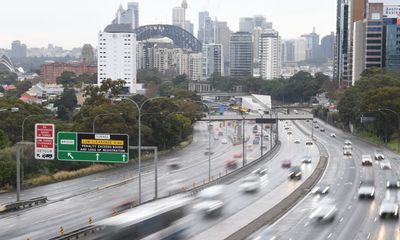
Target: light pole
column 243, row 137
column 139, row 108
column 26, row 118
column 262, row 132
column 99, row 115
column 398, row 124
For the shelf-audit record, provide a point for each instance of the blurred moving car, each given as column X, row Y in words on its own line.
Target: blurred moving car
column 260, row 171
column 347, row 150
column 297, row 140
column 224, row 141
column 249, row 147
column 321, row 189
column 385, row 165
column 333, row 135
column 237, row 155
column 315, row 121
column 295, row 173
column 250, row 183
column 347, row 142
column 379, row 155
column 322, row 129
column 366, row 160
column 256, row 141
column 393, row 182
column 123, row 207
column 389, row 208
column 220, row 134
column 174, row 163
column 289, row 132
column 231, row 164
column 316, row 126
column 306, row 159
column 325, row 212
column 286, row 163
column 366, row 190
column 309, row 143
column 210, row 201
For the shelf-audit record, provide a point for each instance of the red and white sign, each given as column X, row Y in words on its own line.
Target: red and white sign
column 44, row 141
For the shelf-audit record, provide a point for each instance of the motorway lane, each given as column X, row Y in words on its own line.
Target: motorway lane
column 73, row 213
column 356, row 219
column 276, row 178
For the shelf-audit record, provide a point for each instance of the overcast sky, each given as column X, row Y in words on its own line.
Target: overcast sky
column 71, row 23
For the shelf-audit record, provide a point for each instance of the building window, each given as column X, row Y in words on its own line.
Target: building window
column 374, row 29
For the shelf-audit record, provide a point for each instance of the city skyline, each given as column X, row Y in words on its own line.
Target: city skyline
column 87, row 21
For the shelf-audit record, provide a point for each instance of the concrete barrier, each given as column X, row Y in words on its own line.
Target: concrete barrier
column 15, row 206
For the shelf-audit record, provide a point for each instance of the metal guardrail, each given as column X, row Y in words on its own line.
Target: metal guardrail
column 290, row 201
column 20, row 205
column 78, row 234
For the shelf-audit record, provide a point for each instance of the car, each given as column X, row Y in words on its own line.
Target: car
column 333, row 135
column 174, row 163
column 316, row 126
column 289, row 132
column 322, row 129
column 231, row 164
column 210, row 201
column 250, row 183
column 224, row 141
column 366, row 160
column 208, row 152
column 249, row 147
column 256, row 141
column 379, row 155
column 123, row 207
column 295, row 173
column 260, row 171
column 237, row 155
column 325, row 212
column 287, row 127
column 321, row 189
column 366, row 190
column 347, row 142
column 315, row 121
column 297, row 140
column 347, row 150
column 286, row 163
column 389, row 208
column 393, row 183
column 385, row 165
column 220, row 134
column 308, row 120
column 306, row 159
column 309, row 143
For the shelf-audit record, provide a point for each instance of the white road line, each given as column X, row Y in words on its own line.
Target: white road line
column 330, row 235
column 341, row 220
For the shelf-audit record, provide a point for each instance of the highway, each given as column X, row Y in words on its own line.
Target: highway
column 73, row 202
column 356, row 219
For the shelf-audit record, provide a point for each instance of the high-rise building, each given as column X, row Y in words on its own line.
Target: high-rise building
column 261, row 21
column 87, row 55
column 117, row 55
column 18, row 50
column 51, row 71
column 246, row 24
column 189, row 26
column 300, row 47
column 206, row 30
column 214, row 60
column 270, row 54
column 241, row 54
column 328, row 47
column 340, row 70
column 195, row 66
column 129, row 16
column 312, row 45
column 392, row 43
column 178, row 17
column 288, row 51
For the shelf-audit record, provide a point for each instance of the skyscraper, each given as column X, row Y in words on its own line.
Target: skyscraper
column 288, row 51
column 129, row 16
column 205, row 32
column 328, row 47
column 214, row 62
column 270, row 54
column 312, row 45
column 87, row 55
column 340, row 71
column 241, row 54
column 223, row 35
column 18, row 50
column 246, row 24
column 117, row 48
column 178, row 17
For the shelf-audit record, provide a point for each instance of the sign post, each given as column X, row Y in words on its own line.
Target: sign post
column 93, row 147
column 44, row 141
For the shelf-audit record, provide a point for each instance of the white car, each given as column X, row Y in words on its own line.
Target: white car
column 309, row 143
column 366, row 160
column 320, row 189
column 210, row 201
column 389, row 207
column 324, row 213
column 306, row 159
column 347, row 142
column 366, row 190
column 333, row 135
column 386, row 165
column 224, row 141
column 297, row 140
column 250, row 183
column 379, row 156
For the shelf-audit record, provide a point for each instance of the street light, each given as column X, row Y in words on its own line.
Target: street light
column 398, row 124
column 26, row 118
column 139, row 109
column 262, row 131
column 243, row 136
column 99, row 115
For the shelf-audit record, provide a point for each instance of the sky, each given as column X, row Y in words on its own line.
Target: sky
column 72, row 23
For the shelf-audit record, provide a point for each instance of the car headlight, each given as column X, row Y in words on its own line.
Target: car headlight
column 298, row 174
column 387, row 184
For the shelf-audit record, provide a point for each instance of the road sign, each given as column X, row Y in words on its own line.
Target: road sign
column 265, row 120
column 44, row 141
column 93, row 147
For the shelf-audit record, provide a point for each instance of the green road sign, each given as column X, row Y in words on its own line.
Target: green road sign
column 93, row 147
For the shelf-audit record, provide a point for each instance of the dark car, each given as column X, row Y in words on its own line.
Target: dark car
column 231, row 164
column 295, row 173
column 322, row 129
column 393, row 183
column 286, row 163
column 256, row 141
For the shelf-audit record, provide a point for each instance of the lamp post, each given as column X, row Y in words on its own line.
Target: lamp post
column 243, row 137
column 139, row 109
column 262, row 132
column 100, row 115
column 26, row 118
column 398, row 124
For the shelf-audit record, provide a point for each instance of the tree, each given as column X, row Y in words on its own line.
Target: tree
column 4, row 142
column 8, row 78
column 67, row 79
